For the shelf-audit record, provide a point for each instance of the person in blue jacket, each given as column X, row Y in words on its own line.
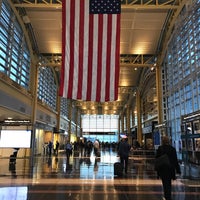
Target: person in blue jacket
column 50, row 146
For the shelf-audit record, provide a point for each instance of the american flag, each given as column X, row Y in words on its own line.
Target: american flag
column 91, row 49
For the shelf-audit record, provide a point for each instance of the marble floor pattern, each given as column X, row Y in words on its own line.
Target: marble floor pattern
column 90, row 178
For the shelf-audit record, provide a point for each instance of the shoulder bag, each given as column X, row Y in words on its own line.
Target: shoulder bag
column 161, row 161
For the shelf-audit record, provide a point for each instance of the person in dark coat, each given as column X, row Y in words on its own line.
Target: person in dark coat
column 123, row 152
column 168, row 173
column 50, row 146
column 57, row 147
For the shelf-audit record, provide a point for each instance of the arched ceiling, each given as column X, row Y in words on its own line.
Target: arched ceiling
column 143, row 23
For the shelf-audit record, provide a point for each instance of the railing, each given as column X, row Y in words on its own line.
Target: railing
column 143, row 154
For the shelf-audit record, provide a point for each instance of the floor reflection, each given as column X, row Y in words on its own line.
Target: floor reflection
column 12, row 169
column 89, row 177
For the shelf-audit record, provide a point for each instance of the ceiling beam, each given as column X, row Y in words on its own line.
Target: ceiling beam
column 130, row 60
column 126, row 4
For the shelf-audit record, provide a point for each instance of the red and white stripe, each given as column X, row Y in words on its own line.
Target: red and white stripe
column 90, row 53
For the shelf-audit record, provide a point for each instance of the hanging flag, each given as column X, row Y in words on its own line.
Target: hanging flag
column 90, row 50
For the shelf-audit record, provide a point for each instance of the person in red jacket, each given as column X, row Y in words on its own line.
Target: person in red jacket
column 167, row 173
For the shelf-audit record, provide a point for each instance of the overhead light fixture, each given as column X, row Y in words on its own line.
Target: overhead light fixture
column 26, row 19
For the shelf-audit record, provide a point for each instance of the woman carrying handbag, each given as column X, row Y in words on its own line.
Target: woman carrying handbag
column 167, row 172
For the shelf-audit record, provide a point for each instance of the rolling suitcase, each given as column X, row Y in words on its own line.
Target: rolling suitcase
column 118, row 169
column 98, row 154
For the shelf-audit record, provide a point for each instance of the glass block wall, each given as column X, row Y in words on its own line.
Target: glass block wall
column 181, row 70
column 15, row 61
column 47, row 89
column 14, row 53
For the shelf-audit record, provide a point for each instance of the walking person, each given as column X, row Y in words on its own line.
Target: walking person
column 96, row 148
column 123, row 152
column 50, row 146
column 68, row 150
column 57, row 147
column 167, row 173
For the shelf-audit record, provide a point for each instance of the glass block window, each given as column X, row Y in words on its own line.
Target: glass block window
column 14, row 56
column 75, row 115
column 181, row 69
column 47, row 90
column 64, row 107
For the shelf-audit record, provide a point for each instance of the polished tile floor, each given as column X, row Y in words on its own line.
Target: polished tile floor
column 90, row 178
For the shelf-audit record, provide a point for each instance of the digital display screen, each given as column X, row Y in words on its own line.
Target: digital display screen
column 13, row 193
column 15, row 138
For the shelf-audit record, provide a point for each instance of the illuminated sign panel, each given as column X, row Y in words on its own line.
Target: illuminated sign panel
column 15, row 138
column 100, row 123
